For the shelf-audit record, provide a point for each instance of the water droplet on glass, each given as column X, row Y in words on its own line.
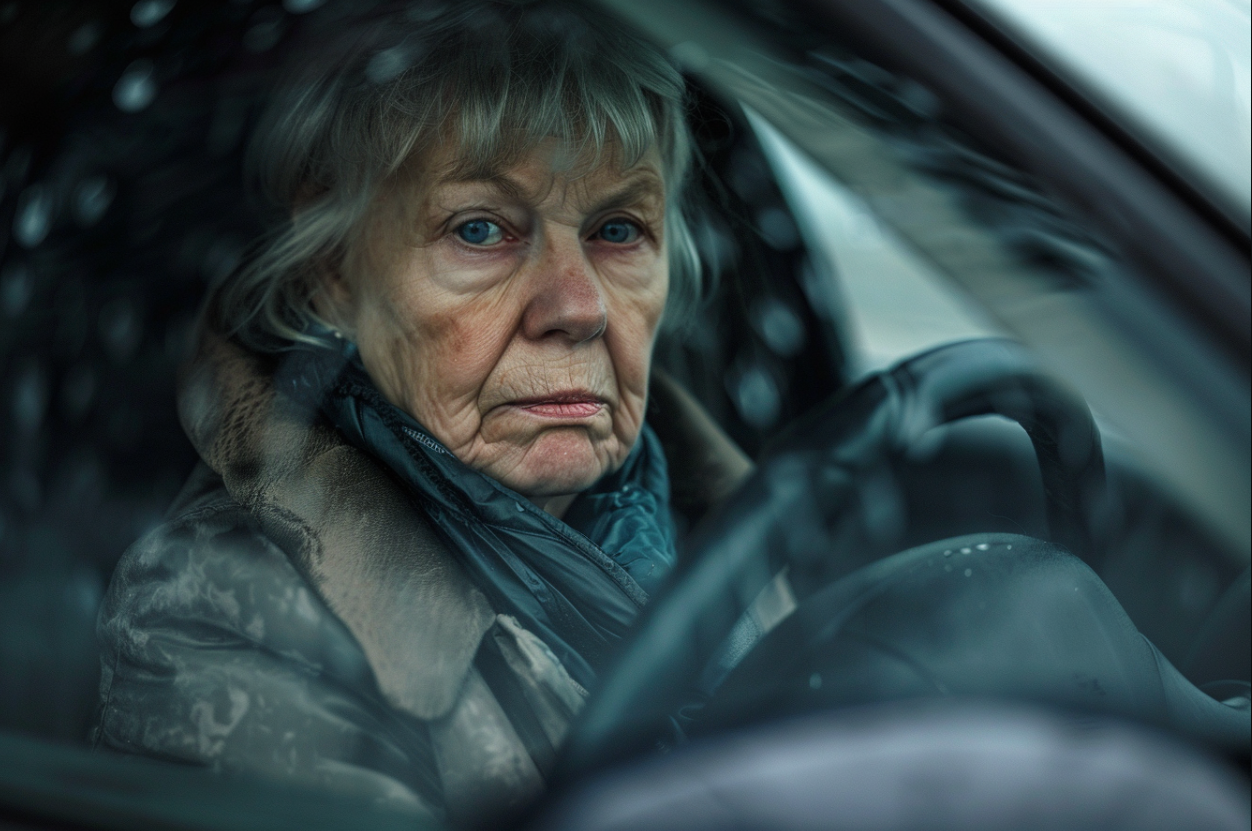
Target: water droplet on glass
column 30, row 398
column 147, row 13
column 777, row 229
column 83, row 38
column 969, row 572
column 77, row 390
column 815, row 681
column 302, row 6
column 33, row 218
column 265, row 30
column 690, row 56
column 120, row 328
column 221, row 259
column 982, row 546
column 967, row 551
column 948, row 553
column 781, row 327
column 388, row 64
column 135, row 89
column 16, row 288
column 756, row 396
column 91, row 199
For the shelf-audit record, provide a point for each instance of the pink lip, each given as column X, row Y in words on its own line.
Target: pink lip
column 562, row 405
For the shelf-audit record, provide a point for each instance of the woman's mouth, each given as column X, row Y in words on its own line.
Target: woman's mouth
column 572, row 405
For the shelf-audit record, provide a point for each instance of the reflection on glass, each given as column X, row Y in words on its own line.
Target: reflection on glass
column 1180, row 68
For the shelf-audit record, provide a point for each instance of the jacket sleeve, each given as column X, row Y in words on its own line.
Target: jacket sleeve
column 216, row 652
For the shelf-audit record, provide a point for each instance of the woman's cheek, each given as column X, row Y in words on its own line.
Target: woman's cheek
column 460, row 270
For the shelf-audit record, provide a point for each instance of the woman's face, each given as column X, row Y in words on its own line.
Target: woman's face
column 514, row 316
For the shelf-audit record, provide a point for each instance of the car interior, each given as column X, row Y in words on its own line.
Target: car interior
column 889, row 488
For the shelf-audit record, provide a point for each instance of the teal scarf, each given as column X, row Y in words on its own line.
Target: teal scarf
column 579, row 583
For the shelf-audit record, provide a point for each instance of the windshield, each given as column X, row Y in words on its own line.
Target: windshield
column 1176, row 70
column 408, row 407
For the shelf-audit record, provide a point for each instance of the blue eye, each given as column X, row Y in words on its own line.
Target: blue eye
column 619, row 231
column 480, row 232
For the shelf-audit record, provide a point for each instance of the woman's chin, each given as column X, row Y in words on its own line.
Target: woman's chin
column 560, row 462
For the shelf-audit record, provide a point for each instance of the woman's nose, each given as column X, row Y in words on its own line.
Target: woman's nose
column 565, row 298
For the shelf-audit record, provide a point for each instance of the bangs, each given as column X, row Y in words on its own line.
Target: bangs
column 502, row 90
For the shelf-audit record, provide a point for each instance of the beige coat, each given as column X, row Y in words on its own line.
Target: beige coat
column 296, row 616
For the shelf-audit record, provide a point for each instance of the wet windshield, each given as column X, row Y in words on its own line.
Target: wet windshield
column 426, row 405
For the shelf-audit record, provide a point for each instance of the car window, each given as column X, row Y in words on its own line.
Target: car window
column 1179, row 72
column 850, row 220
column 892, row 302
column 987, row 222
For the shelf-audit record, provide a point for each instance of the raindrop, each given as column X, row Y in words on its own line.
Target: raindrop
column 33, row 219
column 92, row 199
column 918, row 99
column 83, row 592
column 815, row 681
column 969, row 572
column 689, row 56
column 16, row 288
column 221, row 259
column 147, row 13
column 781, row 328
column 266, row 30
column 120, row 328
column 30, row 398
column 749, row 177
column 83, row 38
column 982, row 546
column 756, row 396
column 948, row 553
column 881, row 507
column 302, row 6
column 967, row 551
column 777, row 229
column 716, row 247
column 388, row 64
column 135, row 89
column 77, row 390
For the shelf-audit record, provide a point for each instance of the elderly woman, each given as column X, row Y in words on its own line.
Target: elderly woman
column 429, row 504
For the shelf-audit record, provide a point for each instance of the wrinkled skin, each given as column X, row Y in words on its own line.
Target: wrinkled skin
column 514, row 316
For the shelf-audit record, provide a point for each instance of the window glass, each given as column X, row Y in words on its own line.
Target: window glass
column 893, row 302
column 1181, row 69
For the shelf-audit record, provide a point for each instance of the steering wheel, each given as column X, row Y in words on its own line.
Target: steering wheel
column 795, row 511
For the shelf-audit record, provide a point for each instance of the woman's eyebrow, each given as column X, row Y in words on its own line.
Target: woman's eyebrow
column 643, row 187
column 502, row 185
column 639, row 185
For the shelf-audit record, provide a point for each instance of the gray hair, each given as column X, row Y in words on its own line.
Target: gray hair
column 495, row 79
